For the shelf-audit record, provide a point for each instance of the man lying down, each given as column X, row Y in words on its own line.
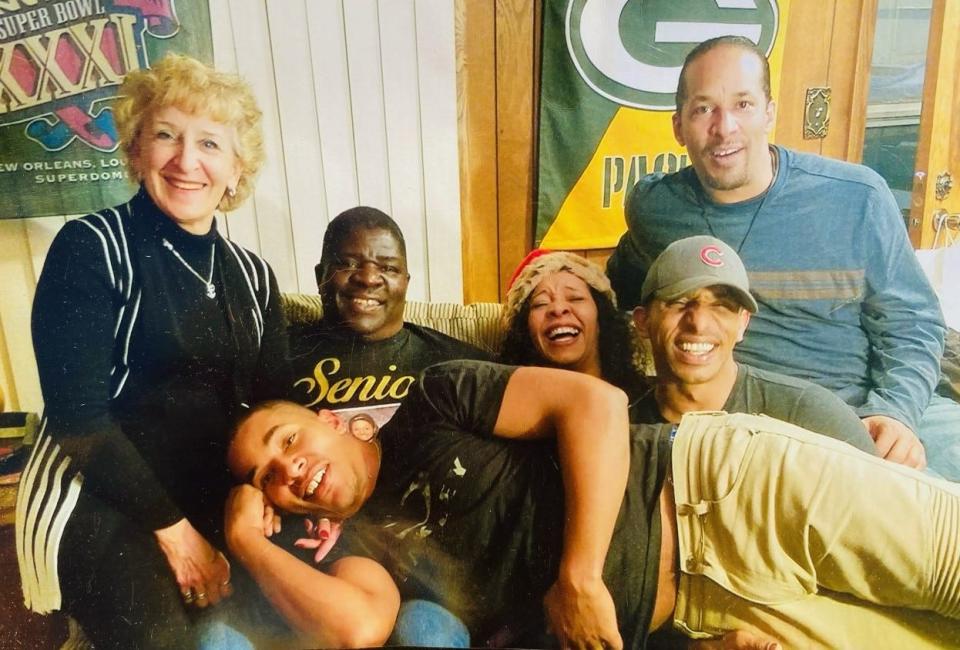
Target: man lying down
column 520, row 499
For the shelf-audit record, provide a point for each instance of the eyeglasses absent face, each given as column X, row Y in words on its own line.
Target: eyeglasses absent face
column 367, row 283
column 725, row 123
column 692, row 337
column 563, row 323
column 304, row 462
column 362, row 428
column 187, row 162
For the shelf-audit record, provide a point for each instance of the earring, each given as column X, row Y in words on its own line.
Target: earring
column 231, row 192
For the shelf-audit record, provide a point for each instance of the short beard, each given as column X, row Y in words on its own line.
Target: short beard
column 725, row 184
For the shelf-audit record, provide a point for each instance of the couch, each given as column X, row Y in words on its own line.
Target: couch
column 478, row 324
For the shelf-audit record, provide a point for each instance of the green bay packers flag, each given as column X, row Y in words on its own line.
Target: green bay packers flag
column 61, row 64
column 609, row 74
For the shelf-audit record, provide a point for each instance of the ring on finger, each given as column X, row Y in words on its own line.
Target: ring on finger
column 202, row 595
column 188, row 596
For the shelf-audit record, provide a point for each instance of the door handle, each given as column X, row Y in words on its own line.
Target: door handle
column 943, row 219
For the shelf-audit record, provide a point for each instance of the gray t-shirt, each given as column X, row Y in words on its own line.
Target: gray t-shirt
column 789, row 399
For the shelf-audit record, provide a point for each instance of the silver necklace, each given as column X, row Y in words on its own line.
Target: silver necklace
column 208, row 283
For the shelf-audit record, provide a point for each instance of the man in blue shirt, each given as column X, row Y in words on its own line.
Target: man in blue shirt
column 843, row 301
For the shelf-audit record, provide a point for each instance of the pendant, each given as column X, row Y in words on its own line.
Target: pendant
column 211, row 290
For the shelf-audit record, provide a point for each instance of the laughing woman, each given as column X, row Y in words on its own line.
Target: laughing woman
column 561, row 312
column 151, row 329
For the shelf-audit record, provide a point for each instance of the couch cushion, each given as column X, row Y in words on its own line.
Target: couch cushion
column 477, row 324
column 301, row 308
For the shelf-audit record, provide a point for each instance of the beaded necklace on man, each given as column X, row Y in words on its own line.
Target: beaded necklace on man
column 775, row 165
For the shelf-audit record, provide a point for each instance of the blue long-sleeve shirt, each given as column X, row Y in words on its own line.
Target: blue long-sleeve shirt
column 843, row 301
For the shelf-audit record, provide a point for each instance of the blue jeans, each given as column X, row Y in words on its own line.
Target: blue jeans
column 939, row 431
column 217, row 635
column 243, row 622
column 425, row 623
column 419, row 623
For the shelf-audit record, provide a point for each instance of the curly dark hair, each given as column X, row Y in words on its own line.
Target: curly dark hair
column 618, row 346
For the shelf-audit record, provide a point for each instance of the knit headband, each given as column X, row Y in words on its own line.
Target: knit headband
column 539, row 264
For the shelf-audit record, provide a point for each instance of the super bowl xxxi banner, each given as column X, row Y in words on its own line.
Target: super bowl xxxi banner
column 609, row 74
column 61, row 64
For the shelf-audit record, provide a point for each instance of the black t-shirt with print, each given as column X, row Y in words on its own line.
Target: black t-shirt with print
column 334, row 368
column 475, row 522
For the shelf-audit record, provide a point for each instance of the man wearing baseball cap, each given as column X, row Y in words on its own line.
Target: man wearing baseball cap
column 695, row 307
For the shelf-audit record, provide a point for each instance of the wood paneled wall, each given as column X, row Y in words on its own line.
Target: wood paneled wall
column 359, row 102
column 498, row 55
column 828, row 43
column 498, row 50
column 360, row 107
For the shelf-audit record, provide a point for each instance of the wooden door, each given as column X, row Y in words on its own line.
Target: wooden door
column 828, row 45
column 936, row 186
column 497, row 72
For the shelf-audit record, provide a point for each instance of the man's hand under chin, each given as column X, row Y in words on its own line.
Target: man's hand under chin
column 895, row 441
column 248, row 513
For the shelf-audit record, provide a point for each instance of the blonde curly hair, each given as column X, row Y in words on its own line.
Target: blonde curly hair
column 196, row 88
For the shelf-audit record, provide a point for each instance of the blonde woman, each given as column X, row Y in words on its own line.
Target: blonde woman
column 151, row 329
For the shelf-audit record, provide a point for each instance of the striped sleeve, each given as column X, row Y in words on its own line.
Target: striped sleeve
column 83, row 314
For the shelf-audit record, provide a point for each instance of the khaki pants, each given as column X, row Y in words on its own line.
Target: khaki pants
column 811, row 541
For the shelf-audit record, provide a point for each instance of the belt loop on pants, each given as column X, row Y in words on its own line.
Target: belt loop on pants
column 694, row 561
column 692, row 509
